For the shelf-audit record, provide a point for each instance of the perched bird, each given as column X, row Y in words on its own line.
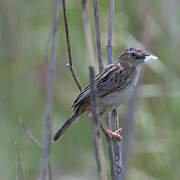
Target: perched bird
column 114, row 86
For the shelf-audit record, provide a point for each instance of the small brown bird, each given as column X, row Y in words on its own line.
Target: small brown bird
column 115, row 85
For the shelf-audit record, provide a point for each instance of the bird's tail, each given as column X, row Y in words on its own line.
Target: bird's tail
column 65, row 126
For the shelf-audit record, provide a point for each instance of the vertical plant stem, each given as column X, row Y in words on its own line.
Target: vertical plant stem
column 50, row 84
column 118, row 170
column 110, row 31
column 129, row 131
column 87, row 31
column 110, row 61
column 99, row 49
column 19, row 168
column 110, row 148
column 118, row 167
column 98, row 37
column 98, row 146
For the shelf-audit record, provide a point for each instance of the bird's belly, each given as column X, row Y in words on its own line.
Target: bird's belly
column 120, row 97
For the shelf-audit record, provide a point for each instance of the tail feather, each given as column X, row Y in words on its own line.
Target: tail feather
column 65, row 126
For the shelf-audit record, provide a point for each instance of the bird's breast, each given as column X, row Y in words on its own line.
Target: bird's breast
column 122, row 96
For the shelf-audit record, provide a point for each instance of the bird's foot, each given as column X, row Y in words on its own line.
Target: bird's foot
column 114, row 135
column 111, row 134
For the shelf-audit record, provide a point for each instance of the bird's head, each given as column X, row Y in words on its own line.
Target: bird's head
column 136, row 56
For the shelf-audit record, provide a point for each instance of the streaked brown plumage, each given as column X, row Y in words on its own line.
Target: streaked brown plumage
column 114, row 84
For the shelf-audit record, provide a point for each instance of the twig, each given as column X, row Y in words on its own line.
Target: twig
column 98, row 38
column 35, row 141
column 69, row 48
column 98, row 146
column 50, row 84
column 87, row 31
column 29, row 135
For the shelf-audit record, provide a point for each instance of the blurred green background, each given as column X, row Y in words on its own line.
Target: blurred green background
column 24, row 32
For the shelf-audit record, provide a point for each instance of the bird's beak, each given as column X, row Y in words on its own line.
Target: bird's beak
column 150, row 58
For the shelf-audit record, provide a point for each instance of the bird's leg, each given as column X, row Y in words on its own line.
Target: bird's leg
column 111, row 134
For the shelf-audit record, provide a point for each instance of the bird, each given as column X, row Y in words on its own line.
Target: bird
column 114, row 86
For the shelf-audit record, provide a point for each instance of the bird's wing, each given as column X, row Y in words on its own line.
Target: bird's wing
column 115, row 81
column 85, row 94
column 113, row 78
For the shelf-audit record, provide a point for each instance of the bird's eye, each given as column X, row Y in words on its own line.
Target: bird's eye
column 133, row 54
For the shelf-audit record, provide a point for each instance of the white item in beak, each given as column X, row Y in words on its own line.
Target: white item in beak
column 150, row 58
